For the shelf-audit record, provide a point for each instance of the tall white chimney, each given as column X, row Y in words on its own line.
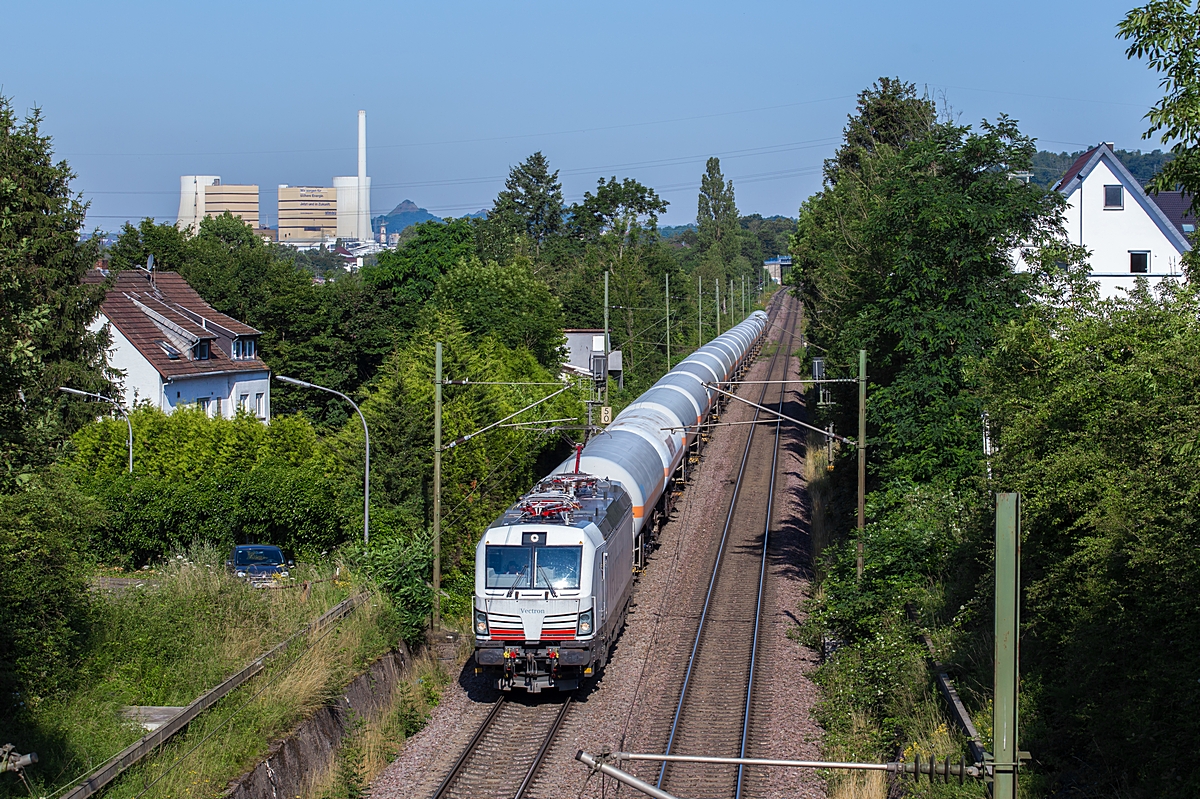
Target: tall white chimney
column 364, row 183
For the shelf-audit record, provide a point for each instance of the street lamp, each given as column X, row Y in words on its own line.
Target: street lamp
column 366, row 436
column 120, row 409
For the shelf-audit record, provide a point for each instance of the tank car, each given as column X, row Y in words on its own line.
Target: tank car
column 554, row 574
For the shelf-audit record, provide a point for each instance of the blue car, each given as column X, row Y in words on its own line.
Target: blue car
column 260, row 564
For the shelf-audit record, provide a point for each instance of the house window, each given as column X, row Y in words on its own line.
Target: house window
column 244, row 402
column 1114, row 197
column 1139, row 263
column 203, row 404
column 202, row 350
column 243, row 348
column 260, row 409
column 1189, row 228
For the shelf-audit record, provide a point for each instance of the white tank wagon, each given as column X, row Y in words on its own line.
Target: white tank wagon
column 554, row 574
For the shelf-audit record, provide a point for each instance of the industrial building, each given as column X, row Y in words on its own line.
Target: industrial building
column 205, row 195
column 307, row 214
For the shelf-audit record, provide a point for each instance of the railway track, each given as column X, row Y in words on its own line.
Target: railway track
column 713, row 713
column 504, row 756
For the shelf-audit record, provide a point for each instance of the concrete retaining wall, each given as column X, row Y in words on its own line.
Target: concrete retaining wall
column 294, row 762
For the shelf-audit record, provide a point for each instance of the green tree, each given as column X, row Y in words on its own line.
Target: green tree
column 889, row 114
column 507, row 302
column 45, row 308
column 532, row 201
column 717, row 217
column 910, row 260
column 1093, row 408
column 43, row 594
column 1167, row 34
column 412, row 271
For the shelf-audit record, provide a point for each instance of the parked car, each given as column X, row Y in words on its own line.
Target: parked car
column 260, row 564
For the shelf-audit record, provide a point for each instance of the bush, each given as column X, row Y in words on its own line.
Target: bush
column 43, row 593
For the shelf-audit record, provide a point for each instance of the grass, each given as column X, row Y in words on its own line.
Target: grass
column 375, row 741
column 166, row 643
column 816, row 477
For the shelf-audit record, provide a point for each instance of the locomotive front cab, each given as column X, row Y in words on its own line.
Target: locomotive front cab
column 541, row 588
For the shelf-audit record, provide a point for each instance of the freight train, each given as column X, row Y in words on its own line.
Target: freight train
column 554, row 574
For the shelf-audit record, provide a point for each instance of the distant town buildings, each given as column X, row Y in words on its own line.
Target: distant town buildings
column 206, row 195
column 174, row 349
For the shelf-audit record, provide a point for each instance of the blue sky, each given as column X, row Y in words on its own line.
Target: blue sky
column 137, row 94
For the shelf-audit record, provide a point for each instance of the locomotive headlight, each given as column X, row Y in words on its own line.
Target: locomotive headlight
column 481, row 624
column 585, row 623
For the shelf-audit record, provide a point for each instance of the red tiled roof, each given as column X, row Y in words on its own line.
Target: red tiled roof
column 170, row 297
column 1175, row 205
column 1079, row 164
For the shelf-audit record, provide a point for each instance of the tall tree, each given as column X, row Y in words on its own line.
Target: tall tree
column 1167, row 34
column 889, row 114
column 532, row 200
column 717, row 215
column 45, row 308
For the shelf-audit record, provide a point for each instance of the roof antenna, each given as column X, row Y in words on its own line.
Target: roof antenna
column 149, row 269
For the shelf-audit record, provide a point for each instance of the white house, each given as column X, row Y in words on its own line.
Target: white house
column 1127, row 231
column 174, row 349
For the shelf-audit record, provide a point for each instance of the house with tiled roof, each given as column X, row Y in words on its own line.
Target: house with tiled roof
column 173, row 349
column 1128, row 232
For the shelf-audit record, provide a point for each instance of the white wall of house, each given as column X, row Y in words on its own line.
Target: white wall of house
column 140, row 381
column 1112, row 234
column 222, row 393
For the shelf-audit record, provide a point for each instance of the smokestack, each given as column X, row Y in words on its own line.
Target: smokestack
column 364, row 186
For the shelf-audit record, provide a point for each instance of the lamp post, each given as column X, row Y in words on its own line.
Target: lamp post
column 366, row 437
column 120, row 409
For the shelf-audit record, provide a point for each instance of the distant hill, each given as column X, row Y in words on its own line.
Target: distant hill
column 404, row 215
column 407, row 214
column 671, row 231
column 1049, row 167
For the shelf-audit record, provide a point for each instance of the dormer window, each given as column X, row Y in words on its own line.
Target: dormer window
column 1114, row 198
column 202, row 350
column 243, row 348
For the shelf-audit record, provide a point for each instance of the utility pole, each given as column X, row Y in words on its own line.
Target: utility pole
column 862, row 456
column 717, row 287
column 668, row 321
column 437, row 486
column 729, row 300
column 699, row 312
column 607, row 347
column 1008, row 617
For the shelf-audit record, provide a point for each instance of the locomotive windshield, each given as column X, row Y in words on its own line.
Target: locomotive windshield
column 545, row 567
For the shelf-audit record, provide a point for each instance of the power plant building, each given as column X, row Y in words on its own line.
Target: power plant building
column 205, row 195
column 307, row 214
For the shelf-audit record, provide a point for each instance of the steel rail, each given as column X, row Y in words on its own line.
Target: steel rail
column 716, row 569
column 541, row 753
column 462, row 759
column 762, row 581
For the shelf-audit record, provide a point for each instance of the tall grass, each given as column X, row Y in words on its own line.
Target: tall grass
column 189, row 626
column 820, row 494
column 375, row 741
